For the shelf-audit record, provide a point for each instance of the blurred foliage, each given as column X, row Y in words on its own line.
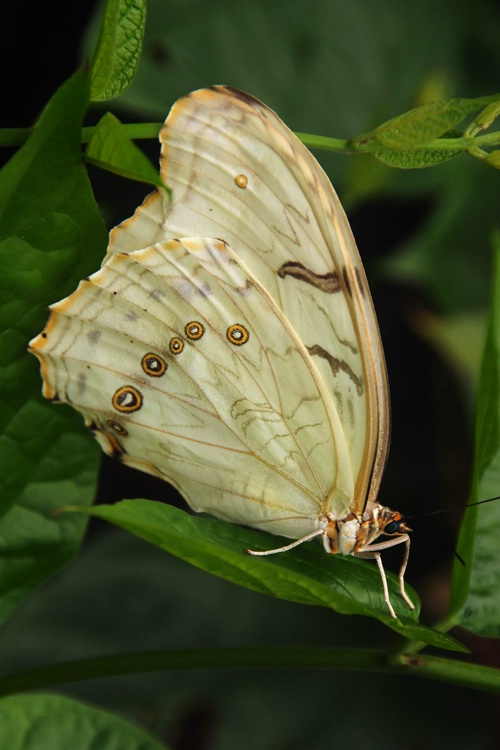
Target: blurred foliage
column 163, row 603
column 340, row 71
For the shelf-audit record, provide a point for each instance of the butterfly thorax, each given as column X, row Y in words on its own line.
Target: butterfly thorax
column 354, row 533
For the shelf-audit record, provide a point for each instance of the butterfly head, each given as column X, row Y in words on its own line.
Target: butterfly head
column 392, row 523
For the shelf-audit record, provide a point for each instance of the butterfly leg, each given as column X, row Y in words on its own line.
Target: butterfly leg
column 402, row 574
column 369, row 555
column 286, row 547
column 376, row 556
column 372, row 551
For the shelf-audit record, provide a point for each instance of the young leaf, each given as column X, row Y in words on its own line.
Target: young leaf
column 423, row 124
column 305, row 575
column 413, row 159
column 475, row 591
column 51, row 235
column 493, row 159
column 110, row 148
column 485, row 119
column 118, row 48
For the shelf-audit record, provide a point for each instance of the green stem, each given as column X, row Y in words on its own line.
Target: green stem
column 125, row 664
column 446, row 670
column 136, row 131
column 437, row 144
column 324, row 143
column 150, row 130
column 14, row 136
column 453, row 671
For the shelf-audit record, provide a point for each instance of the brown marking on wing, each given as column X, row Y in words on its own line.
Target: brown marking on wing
column 236, row 94
column 353, row 278
column 359, row 281
column 337, row 365
column 347, row 281
column 327, row 282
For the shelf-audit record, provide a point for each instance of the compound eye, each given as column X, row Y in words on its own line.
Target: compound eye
column 392, row 528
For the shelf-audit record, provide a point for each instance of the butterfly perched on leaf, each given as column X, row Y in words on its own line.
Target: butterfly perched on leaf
column 229, row 344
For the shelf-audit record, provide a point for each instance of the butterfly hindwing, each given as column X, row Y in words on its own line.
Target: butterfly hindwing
column 180, row 362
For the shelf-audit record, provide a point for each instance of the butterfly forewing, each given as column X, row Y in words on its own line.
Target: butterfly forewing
column 238, row 173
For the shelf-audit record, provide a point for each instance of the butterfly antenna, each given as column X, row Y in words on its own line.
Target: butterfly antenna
column 447, row 510
column 459, row 558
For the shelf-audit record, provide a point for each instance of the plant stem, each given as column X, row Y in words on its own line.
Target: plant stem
column 150, row 130
column 446, row 670
column 454, row 671
column 125, row 664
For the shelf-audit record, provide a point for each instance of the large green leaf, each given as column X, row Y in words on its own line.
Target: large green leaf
column 51, row 235
column 110, row 148
column 50, row 722
column 476, row 581
column 304, row 575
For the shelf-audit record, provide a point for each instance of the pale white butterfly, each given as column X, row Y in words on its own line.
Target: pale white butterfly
column 243, row 361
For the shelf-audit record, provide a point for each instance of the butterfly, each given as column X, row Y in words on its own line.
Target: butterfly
column 229, row 343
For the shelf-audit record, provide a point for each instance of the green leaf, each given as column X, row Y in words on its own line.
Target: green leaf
column 110, row 148
column 493, row 159
column 422, row 124
column 118, row 48
column 475, row 591
column 413, row 159
column 51, row 235
column 305, row 575
column 50, row 722
column 485, row 119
